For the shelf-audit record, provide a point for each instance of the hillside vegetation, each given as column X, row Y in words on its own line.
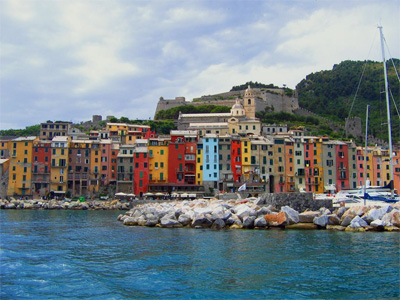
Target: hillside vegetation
column 173, row 113
column 331, row 94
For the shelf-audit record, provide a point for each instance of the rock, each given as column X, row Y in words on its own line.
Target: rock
column 335, row 228
column 341, row 211
column 376, row 213
column 325, row 211
column 170, row 223
column 248, row 222
column 184, row 219
column 391, row 228
column 259, row 201
column 321, row 220
column 236, row 226
column 377, row 223
column 260, row 222
column 10, row 206
column 333, row 219
column 392, row 218
column 308, row 216
column 276, row 219
column 358, row 222
column 218, row 224
column 355, row 229
column 202, row 220
column 346, row 220
column 242, row 210
column 302, row 226
column 130, row 221
column 292, row 216
column 263, row 211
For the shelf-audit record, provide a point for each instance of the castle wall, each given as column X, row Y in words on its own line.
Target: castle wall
column 263, row 98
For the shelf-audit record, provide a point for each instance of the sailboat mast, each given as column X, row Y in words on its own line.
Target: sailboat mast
column 365, row 156
column 388, row 111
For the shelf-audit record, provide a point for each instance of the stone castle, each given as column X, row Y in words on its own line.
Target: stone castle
column 272, row 98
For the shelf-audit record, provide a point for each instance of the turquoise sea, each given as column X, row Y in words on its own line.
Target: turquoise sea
column 90, row 255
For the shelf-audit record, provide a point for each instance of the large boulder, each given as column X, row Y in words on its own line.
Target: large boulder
column 167, row 222
column 292, row 216
column 377, row 213
column 263, row 211
column 202, row 221
column 260, row 222
column 130, row 221
column 321, row 221
column 392, row 218
column 248, row 222
column 243, row 210
column 333, row 219
column 340, row 211
column 184, row 219
column 308, row 216
column 218, row 224
column 276, row 219
column 358, row 222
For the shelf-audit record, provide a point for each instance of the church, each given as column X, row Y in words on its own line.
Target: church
column 240, row 121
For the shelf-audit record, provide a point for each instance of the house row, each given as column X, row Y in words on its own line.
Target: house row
column 133, row 160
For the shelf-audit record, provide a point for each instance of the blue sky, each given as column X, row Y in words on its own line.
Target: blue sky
column 67, row 60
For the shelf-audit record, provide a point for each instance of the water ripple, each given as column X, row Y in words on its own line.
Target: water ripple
column 88, row 254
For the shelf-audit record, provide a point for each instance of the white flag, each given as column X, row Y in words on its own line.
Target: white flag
column 242, row 187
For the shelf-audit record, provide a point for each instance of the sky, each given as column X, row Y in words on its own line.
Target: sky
column 68, row 60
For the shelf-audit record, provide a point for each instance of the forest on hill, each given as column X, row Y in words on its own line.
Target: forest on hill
column 347, row 89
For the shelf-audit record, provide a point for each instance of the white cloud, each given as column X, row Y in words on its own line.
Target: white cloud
column 71, row 59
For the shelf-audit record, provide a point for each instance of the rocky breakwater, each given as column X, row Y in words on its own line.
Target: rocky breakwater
column 61, row 204
column 252, row 214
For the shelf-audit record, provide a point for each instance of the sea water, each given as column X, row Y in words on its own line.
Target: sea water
column 49, row 254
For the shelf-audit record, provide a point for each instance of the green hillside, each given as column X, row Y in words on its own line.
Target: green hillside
column 331, row 94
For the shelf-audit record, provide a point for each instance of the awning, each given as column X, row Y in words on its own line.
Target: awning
column 120, row 194
column 148, row 194
column 184, row 195
column 192, row 195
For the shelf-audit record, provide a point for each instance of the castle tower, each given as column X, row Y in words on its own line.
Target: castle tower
column 249, row 103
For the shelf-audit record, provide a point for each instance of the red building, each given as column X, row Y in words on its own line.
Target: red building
column 342, row 166
column 41, row 160
column 141, row 167
column 309, row 165
column 182, row 157
column 236, row 161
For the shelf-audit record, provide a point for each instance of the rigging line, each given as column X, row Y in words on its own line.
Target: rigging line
column 391, row 58
column 394, row 102
column 355, row 96
column 358, row 86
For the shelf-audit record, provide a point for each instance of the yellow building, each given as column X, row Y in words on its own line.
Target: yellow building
column 199, row 164
column 158, row 160
column 246, row 158
column 95, row 167
column 59, row 165
column 5, row 149
column 20, row 169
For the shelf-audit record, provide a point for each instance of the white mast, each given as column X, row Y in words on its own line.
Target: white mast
column 365, row 157
column 388, row 112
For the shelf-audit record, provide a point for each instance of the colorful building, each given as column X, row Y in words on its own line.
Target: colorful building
column 59, row 166
column 41, row 167
column 20, row 175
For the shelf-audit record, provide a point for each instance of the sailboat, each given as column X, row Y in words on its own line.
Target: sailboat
column 375, row 195
column 382, row 196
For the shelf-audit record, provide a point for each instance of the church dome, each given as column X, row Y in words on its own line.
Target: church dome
column 238, row 109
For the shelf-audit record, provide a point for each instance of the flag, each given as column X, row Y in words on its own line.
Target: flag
column 242, row 187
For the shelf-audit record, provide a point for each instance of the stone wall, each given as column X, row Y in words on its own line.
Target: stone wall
column 263, row 98
column 297, row 201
